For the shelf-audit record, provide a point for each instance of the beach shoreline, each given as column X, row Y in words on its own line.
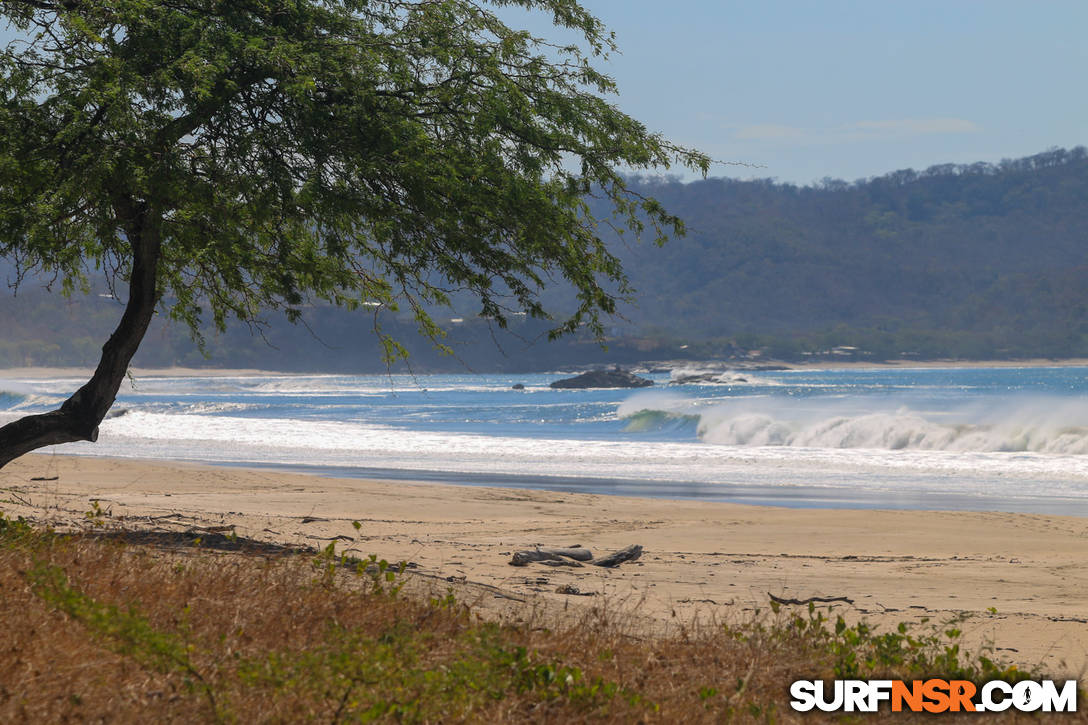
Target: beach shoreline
column 1020, row 576
column 40, row 373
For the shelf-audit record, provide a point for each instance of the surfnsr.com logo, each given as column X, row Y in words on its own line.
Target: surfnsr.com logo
column 933, row 695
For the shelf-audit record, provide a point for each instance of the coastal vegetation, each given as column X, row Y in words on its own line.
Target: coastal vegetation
column 109, row 624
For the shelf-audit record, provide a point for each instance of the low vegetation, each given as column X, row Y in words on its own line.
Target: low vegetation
column 101, row 629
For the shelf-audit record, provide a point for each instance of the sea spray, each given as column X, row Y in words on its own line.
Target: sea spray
column 1017, row 423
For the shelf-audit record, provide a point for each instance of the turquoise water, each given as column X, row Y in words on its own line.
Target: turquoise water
column 983, row 438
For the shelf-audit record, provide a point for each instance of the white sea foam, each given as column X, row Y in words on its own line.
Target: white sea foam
column 1039, row 425
column 1003, row 446
column 217, row 408
column 319, row 385
column 291, row 441
column 717, row 376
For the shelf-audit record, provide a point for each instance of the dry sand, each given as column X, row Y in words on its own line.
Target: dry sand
column 702, row 561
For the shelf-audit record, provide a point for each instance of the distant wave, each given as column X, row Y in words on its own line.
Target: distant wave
column 205, row 408
column 8, row 399
column 13, row 401
column 1037, row 426
column 20, row 402
column 714, row 376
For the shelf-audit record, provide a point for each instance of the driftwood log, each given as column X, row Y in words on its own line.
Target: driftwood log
column 561, row 562
column 810, row 600
column 521, row 558
column 574, row 555
column 616, row 558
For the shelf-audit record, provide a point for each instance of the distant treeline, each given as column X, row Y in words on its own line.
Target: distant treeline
column 966, row 261
column 976, row 261
column 44, row 329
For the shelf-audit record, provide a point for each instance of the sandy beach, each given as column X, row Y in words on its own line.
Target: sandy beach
column 40, row 373
column 1022, row 577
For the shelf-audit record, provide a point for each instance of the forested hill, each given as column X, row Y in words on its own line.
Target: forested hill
column 991, row 257
column 977, row 261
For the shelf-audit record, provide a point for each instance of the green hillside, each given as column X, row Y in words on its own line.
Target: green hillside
column 979, row 261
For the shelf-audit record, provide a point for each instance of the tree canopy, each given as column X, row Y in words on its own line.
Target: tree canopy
column 225, row 157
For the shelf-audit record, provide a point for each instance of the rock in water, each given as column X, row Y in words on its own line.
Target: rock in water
column 616, row 378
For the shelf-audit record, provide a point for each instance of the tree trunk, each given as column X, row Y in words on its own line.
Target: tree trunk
column 78, row 417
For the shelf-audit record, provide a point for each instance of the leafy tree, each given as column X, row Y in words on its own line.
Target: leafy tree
column 221, row 157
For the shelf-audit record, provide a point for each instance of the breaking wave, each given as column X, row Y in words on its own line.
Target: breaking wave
column 8, row 399
column 660, row 420
column 714, row 376
column 1038, row 426
column 14, row 401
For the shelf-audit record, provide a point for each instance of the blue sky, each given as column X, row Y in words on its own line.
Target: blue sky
column 808, row 89
column 852, row 89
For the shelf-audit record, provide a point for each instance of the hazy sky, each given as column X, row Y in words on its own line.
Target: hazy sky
column 819, row 88
column 849, row 89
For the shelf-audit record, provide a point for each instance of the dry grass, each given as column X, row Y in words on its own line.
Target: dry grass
column 98, row 629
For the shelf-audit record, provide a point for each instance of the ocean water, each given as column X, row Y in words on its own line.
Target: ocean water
column 1011, row 439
